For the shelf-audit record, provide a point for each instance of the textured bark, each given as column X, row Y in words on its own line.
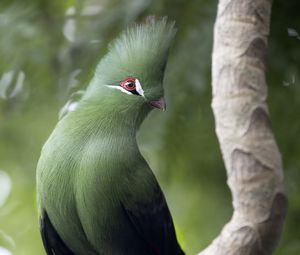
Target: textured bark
column 249, row 150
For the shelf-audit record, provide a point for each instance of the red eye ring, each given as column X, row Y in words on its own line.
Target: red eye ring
column 128, row 84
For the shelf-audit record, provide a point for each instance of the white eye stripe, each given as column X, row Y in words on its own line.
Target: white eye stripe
column 138, row 85
column 119, row 88
column 139, row 88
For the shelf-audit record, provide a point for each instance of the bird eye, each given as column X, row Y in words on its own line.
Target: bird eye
column 128, row 84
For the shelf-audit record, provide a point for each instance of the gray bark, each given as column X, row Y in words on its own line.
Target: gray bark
column 250, row 153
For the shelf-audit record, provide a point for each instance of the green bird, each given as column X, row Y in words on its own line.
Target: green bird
column 96, row 192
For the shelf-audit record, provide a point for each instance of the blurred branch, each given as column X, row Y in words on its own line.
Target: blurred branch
column 251, row 156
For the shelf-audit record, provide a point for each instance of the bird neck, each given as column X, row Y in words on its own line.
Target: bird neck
column 109, row 119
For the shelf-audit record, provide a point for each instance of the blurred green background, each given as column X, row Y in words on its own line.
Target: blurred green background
column 49, row 49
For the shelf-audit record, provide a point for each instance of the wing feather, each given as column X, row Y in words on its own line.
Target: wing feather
column 153, row 222
column 53, row 244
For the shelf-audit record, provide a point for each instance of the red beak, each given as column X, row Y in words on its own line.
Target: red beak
column 160, row 103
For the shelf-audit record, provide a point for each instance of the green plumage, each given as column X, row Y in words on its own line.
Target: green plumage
column 99, row 193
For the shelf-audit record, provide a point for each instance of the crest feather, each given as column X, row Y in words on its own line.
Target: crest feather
column 140, row 47
column 154, row 35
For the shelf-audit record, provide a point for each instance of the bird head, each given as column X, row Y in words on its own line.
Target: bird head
column 131, row 73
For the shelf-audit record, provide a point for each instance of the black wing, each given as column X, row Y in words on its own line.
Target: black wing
column 153, row 222
column 53, row 244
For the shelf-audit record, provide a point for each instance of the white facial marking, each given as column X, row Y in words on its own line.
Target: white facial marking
column 119, row 88
column 139, row 88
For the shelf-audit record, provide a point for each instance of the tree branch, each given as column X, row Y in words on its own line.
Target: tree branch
column 250, row 153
